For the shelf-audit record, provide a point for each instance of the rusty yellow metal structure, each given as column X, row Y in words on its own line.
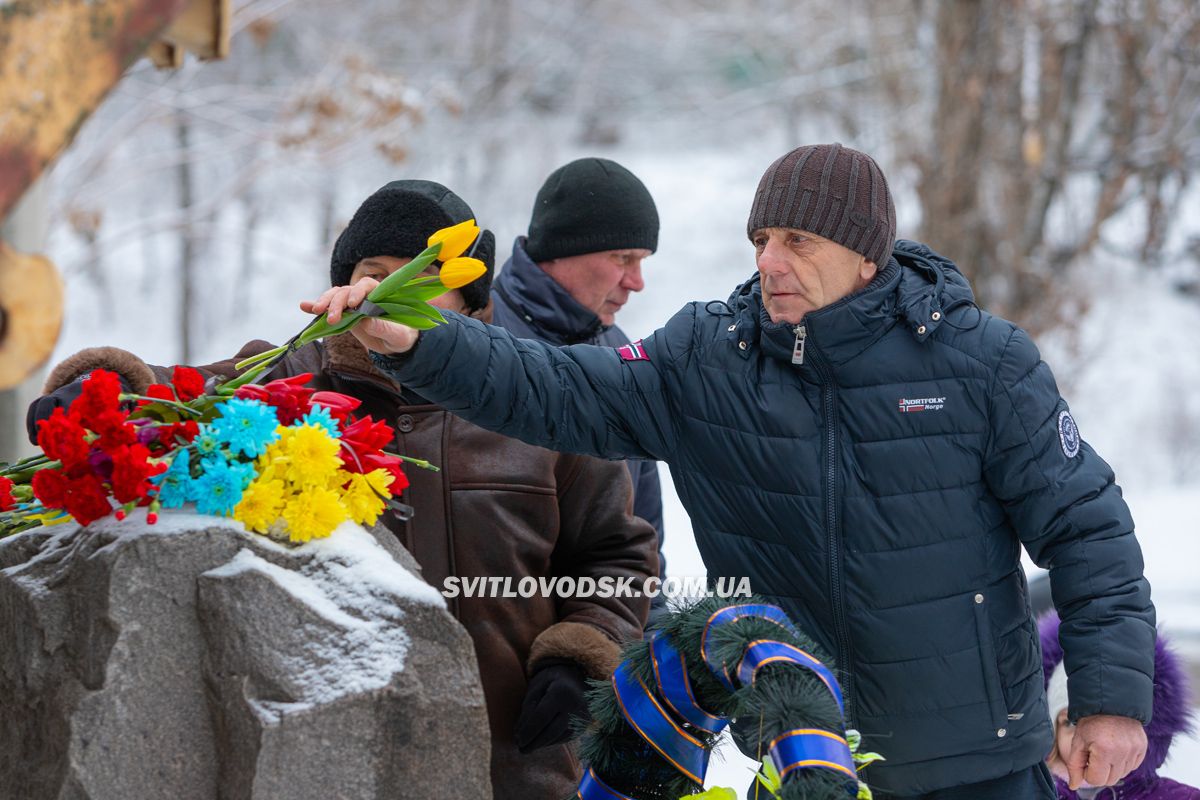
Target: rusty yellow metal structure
column 202, row 30
column 31, row 313
column 58, row 60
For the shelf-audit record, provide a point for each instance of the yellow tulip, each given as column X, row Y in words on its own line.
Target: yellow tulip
column 455, row 239
column 460, row 271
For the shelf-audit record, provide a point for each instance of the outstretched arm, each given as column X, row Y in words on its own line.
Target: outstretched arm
column 581, row 398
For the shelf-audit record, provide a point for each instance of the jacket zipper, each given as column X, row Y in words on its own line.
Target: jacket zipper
column 798, row 347
column 833, row 522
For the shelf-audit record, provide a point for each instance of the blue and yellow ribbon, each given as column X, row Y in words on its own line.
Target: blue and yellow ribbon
column 809, row 748
column 592, row 788
column 730, row 614
column 670, row 674
column 765, row 651
column 652, row 722
column 658, row 717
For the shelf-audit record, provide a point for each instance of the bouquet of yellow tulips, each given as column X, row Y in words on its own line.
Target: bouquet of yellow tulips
column 402, row 297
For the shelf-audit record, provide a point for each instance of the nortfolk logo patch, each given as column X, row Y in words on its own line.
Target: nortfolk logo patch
column 1068, row 434
column 913, row 405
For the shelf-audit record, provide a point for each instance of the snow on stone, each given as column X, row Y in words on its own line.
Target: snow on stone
column 301, row 587
column 365, row 647
column 348, row 579
column 352, row 551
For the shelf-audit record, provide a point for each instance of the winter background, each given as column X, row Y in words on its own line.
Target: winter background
column 1048, row 146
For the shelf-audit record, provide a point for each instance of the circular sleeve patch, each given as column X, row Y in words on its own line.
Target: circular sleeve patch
column 1068, row 434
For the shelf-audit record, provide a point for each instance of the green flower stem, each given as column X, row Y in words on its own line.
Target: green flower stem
column 404, row 285
column 14, row 522
column 408, row 272
column 177, row 406
column 416, row 462
column 230, row 386
column 24, row 465
column 265, row 361
column 260, row 357
column 21, row 476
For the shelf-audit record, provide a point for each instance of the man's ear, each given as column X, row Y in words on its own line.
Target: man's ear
column 867, row 270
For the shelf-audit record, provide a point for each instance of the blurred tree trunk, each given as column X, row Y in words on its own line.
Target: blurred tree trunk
column 1051, row 118
column 187, row 237
column 953, row 220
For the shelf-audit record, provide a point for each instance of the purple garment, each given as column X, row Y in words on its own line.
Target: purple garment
column 1148, row 788
column 1172, row 715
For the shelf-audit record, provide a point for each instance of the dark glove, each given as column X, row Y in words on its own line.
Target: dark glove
column 62, row 397
column 555, row 696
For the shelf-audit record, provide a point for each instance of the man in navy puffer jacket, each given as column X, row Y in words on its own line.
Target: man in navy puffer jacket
column 851, row 432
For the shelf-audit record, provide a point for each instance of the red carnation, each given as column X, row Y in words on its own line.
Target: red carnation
column 131, row 472
column 114, row 430
column 50, row 488
column 167, row 434
column 62, row 438
column 340, row 405
column 188, row 383
column 7, row 502
column 86, row 499
column 99, row 393
column 159, row 391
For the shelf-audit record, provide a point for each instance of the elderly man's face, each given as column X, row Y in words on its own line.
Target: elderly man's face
column 600, row 282
column 802, row 272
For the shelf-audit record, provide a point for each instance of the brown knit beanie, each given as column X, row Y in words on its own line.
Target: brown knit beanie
column 831, row 191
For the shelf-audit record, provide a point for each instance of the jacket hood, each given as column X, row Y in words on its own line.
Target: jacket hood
column 1172, row 711
column 929, row 283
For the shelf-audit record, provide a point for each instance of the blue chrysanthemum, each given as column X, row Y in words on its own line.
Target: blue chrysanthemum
column 219, row 489
column 175, row 486
column 319, row 415
column 206, row 442
column 246, row 426
column 245, row 471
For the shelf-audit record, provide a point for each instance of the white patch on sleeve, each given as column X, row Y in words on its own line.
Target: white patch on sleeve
column 1068, row 434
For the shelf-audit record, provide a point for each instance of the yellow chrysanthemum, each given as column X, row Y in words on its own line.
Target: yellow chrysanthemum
column 312, row 456
column 338, row 480
column 455, row 239
column 458, row 272
column 260, row 504
column 381, row 481
column 313, row 514
column 362, row 496
column 272, row 463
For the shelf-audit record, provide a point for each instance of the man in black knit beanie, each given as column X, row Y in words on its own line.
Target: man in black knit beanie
column 593, row 223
